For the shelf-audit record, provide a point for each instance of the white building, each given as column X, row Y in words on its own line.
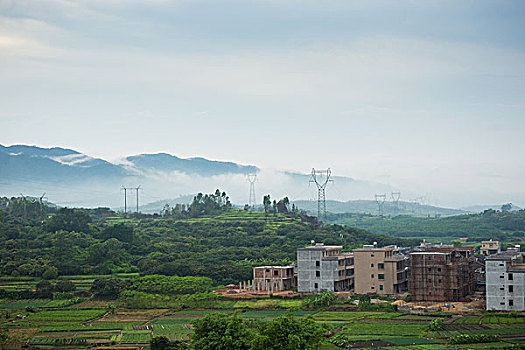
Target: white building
column 324, row 268
column 505, row 278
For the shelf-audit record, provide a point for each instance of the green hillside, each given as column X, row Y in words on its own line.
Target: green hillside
column 370, row 207
column 507, row 226
column 208, row 239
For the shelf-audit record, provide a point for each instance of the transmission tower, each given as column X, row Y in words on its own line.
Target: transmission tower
column 321, row 178
column 380, row 200
column 395, row 198
column 252, row 178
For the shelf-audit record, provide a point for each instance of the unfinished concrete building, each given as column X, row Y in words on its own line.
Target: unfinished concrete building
column 324, row 268
column 443, row 273
column 505, row 276
column 380, row 270
column 274, row 278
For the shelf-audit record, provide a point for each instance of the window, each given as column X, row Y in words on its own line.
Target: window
column 511, row 289
column 316, row 286
column 317, row 274
column 372, row 276
column 429, row 269
column 511, row 277
column 439, row 281
column 501, row 288
column 372, row 255
column 381, row 276
column 371, row 265
column 372, row 287
column 317, row 263
column 439, row 269
column 501, row 276
column 381, row 266
column 380, row 287
column 276, row 273
column 511, row 302
column 268, row 270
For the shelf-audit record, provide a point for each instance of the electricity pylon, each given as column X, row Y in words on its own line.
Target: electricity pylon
column 395, row 198
column 380, row 200
column 321, row 178
column 251, row 179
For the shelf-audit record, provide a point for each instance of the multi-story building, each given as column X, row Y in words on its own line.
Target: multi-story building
column 442, row 273
column 274, row 278
column 380, row 270
column 490, row 247
column 505, row 278
column 324, row 268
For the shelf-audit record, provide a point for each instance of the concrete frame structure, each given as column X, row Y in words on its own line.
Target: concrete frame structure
column 274, row 278
column 324, row 268
column 490, row 247
column 443, row 273
column 380, row 270
column 505, row 278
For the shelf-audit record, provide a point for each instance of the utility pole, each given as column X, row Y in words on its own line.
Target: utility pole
column 25, row 206
column 321, row 178
column 380, row 200
column 125, row 199
column 41, row 207
column 252, row 178
column 137, row 189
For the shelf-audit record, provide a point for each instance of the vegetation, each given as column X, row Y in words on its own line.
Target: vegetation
column 506, row 226
column 206, row 239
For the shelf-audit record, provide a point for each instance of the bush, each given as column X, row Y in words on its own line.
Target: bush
column 436, row 324
column 339, row 340
column 474, row 338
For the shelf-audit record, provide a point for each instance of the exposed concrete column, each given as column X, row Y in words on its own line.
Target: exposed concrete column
column 240, row 286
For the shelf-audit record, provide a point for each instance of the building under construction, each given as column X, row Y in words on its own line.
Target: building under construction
column 274, row 278
column 442, row 273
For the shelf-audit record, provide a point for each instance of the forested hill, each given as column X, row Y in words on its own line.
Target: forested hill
column 208, row 238
column 507, row 226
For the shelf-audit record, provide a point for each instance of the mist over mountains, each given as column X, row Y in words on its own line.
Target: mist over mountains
column 71, row 178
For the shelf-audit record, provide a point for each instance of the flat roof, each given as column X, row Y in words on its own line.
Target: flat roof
column 322, row 247
column 275, row 267
column 375, row 249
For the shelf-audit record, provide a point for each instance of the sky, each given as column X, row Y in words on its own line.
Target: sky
column 422, row 95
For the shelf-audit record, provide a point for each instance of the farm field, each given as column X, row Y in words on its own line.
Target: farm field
column 90, row 322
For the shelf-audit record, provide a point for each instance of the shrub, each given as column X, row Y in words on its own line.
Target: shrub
column 474, row 338
column 436, row 324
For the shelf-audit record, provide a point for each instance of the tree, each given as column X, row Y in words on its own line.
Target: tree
column 506, row 207
column 44, row 289
column 70, row 220
column 50, row 273
column 65, row 286
column 221, row 332
column 163, row 343
column 267, row 203
column 108, row 288
column 289, row 333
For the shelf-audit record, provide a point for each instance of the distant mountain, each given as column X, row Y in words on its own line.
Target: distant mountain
column 371, row 207
column 156, row 207
column 71, row 178
column 482, row 208
column 196, row 166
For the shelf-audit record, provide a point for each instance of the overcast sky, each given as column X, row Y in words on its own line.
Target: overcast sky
column 425, row 95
